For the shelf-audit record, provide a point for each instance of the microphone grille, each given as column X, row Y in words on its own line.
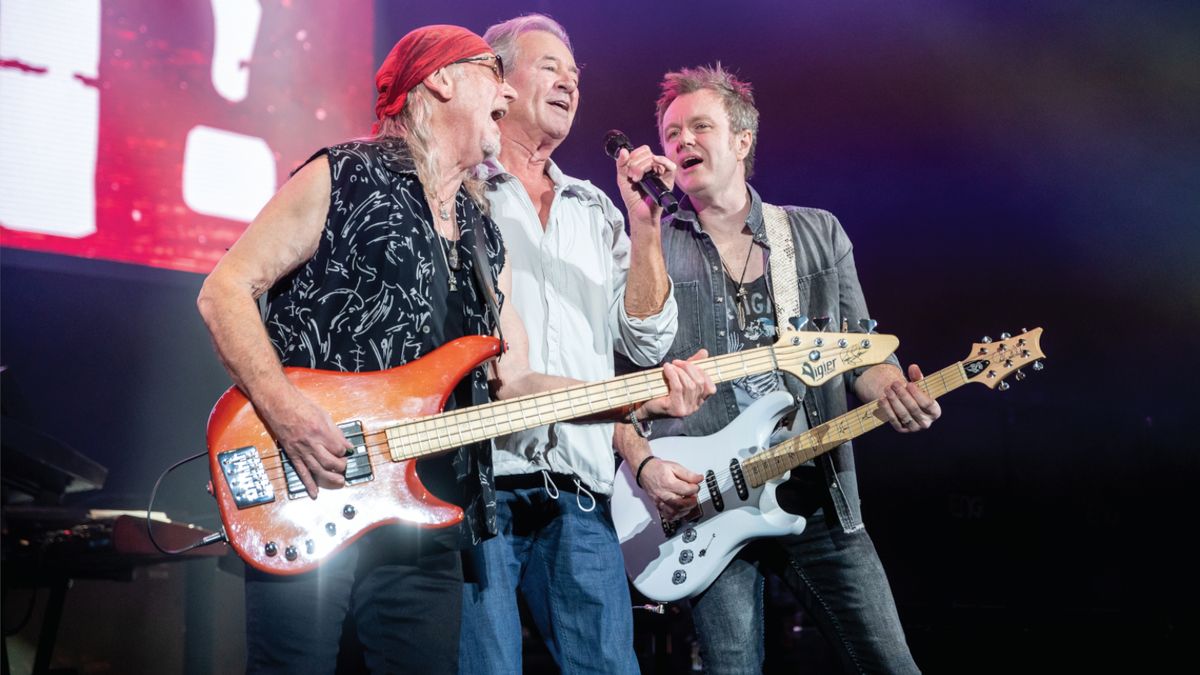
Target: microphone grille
column 613, row 142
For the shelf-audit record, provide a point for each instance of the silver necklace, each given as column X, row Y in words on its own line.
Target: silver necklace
column 448, row 247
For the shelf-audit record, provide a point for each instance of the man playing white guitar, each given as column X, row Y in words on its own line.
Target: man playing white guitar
column 719, row 252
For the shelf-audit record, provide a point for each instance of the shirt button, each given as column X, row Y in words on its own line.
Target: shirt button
column 425, row 329
column 720, row 333
column 715, row 268
column 833, row 486
column 720, row 298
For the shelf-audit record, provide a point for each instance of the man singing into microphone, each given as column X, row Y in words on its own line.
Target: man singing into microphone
column 583, row 289
column 708, row 126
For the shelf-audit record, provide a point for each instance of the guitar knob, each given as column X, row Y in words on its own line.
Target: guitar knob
column 689, row 535
column 1019, row 375
column 1037, row 365
column 271, row 549
column 290, row 553
column 310, row 546
column 349, row 511
column 678, row 577
column 330, row 529
column 1003, row 386
column 685, row 556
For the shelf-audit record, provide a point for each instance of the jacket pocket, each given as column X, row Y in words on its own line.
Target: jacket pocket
column 687, row 335
column 819, row 296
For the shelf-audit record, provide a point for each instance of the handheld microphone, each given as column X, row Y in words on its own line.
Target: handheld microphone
column 613, row 142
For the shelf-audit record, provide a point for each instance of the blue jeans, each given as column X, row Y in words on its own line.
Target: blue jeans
column 838, row 579
column 565, row 561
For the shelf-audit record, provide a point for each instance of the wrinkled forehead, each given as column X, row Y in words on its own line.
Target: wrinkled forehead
column 540, row 45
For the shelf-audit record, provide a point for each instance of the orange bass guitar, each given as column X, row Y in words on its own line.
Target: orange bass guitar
column 393, row 417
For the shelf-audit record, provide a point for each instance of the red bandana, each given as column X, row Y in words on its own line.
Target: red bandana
column 415, row 57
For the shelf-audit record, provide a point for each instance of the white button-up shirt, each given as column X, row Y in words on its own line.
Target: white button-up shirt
column 568, row 284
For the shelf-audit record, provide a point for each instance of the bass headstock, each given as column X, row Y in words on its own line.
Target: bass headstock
column 816, row 356
column 990, row 362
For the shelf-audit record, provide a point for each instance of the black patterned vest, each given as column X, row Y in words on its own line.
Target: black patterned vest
column 376, row 295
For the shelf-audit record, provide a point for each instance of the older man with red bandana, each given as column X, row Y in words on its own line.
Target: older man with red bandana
column 367, row 256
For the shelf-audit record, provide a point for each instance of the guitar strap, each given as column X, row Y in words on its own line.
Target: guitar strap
column 482, row 278
column 784, row 289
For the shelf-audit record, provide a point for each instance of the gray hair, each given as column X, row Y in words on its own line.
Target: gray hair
column 737, row 95
column 503, row 36
column 414, row 125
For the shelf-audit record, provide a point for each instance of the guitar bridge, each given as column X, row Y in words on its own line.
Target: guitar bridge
column 358, row 462
column 246, row 477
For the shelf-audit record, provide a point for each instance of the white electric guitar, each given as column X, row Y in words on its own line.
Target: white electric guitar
column 670, row 560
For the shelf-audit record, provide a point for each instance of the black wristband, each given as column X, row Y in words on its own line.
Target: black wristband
column 638, row 478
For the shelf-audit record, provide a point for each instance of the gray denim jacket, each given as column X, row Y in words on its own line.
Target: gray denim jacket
column 828, row 287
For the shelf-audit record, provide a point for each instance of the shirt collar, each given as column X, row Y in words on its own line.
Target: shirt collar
column 492, row 171
column 754, row 219
column 396, row 155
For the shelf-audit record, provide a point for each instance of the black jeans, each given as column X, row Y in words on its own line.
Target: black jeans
column 405, row 600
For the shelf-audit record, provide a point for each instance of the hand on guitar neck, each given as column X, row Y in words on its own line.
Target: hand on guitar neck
column 905, row 404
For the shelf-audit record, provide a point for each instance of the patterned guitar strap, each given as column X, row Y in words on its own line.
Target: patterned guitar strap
column 785, row 291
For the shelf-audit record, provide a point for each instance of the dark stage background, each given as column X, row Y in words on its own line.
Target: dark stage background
column 997, row 166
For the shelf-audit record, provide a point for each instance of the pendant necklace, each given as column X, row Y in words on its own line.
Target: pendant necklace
column 741, row 297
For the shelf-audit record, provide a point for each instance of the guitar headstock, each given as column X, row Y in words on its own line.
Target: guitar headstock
column 991, row 361
column 815, row 357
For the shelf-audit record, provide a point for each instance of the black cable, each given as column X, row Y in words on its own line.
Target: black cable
column 205, row 541
column 9, row 632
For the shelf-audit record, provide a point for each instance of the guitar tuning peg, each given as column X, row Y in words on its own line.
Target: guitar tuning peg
column 821, row 322
column 1003, row 386
column 1005, row 336
column 867, row 325
column 987, row 340
column 1019, row 375
column 798, row 322
column 1037, row 365
column 845, row 325
column 1024, row 329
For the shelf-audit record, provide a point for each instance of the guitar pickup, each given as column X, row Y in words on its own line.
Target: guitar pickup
column 246, row 477
column 358, row 462
column 714, row 491
column 739, row 480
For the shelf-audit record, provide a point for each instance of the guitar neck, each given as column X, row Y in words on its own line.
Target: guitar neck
column 825, row 437
column 432, row 435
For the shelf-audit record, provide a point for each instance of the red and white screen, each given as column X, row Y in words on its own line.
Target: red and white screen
column 152, row 132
